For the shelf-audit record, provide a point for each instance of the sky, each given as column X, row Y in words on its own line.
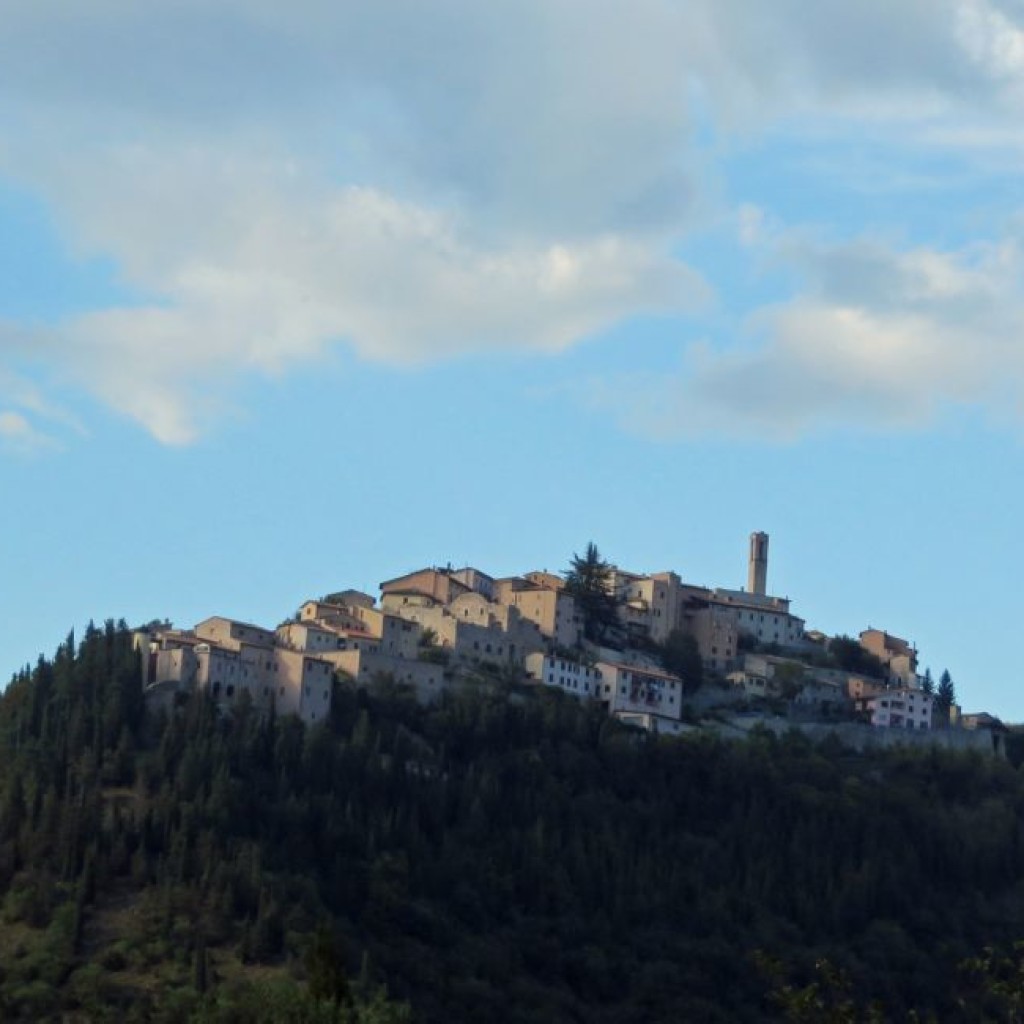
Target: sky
column 298, row 297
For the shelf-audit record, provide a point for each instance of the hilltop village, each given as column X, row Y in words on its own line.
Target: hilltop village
column 652, row 650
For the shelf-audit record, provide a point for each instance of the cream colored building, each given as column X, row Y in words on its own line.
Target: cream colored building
column 553, row 611
column 353, row 599
column 477, row 581
column 330, row 614
column 301, row 684
column 230, row 632
column 822, row 696
column 649, row 605
column 545, row 579
column 713, row 626
column 396, row 601
column 439, row 585
column 769, row 675
column 395, row 635
column 428, row 679
column 398, row 636
column 903, row 707
column 862, row 686
column 636, row 689
column 307, row 636
column 755, row 685
column 177, row 664
column 156, row 649
column 574, row 677
column 981, row 720
column 898, row 656
column 766, row 619
column 229, row 658
column 356, row 624
column 357, row 639
column 474, row 629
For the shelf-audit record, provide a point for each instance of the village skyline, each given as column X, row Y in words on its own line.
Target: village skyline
column 294, row 295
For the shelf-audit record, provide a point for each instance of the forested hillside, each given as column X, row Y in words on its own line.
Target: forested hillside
column 506, row 856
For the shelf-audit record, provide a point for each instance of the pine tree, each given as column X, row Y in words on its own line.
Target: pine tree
column 589, row 582
column 927, row 683
column 945, row 695
column 325, row 967
column 200, row 967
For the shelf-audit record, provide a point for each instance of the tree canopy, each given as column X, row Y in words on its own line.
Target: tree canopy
column 509, row 855
column 681, row 657
column 849, row 654
column 588, row 579
column 945, row 693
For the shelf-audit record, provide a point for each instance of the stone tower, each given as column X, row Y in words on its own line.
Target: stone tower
column 757, row 572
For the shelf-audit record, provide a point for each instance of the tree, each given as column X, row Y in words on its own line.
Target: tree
column 945, row 695
column 927, row 683
column 851, row 656
column 589, row 582
column 681, row 657
column 325, row 967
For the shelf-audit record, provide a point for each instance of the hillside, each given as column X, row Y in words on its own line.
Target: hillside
column 507, row 855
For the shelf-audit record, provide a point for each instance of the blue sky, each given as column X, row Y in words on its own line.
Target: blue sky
column 298, row 298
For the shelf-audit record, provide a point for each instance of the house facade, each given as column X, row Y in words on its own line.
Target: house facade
column 898, row 708
column 574, row 677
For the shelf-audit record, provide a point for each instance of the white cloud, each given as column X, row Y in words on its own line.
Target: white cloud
column 13, row 425
column 17, row 434
column 29, row 420
column 880, row 340
column 991, row 39
column 421, row 181
column 277, row 282
column 750, row 224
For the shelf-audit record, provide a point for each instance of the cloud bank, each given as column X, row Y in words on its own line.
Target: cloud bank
column 424, row 181
column 879, row 339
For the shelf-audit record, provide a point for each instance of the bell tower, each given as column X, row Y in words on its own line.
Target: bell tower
column 757, row 570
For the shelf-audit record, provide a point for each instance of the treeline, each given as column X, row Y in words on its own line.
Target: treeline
column 510, row 856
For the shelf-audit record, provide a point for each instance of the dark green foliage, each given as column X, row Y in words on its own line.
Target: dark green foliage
column 945, row 695
column 325, row 967
column 848, row 654
column 496, row 857
column 681, row 657
column 589, row 582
